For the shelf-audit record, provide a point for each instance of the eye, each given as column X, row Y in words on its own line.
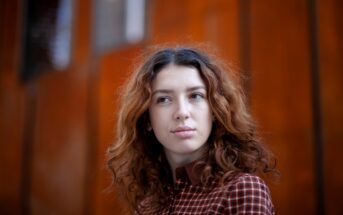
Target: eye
column 163, row 100
column 197, row 96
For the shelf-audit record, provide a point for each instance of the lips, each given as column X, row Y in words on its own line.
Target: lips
column 182, row 128
column 183, row 132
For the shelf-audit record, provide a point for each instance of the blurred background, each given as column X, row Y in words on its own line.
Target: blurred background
column 62, row 61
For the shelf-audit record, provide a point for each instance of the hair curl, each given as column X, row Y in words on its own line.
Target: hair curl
column 137, row 160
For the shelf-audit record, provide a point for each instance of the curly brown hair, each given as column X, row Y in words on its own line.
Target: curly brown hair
column 137, row 160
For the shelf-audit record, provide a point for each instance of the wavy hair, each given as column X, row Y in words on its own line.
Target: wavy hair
column 137, row 160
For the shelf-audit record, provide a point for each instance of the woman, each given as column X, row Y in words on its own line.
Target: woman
column 186, row 143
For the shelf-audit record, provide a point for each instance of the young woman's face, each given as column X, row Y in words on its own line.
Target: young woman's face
column 180, row 115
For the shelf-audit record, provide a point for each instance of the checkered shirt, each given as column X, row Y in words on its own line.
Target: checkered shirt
column 244, row 194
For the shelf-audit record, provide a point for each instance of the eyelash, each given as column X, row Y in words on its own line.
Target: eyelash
column 193, row 96
column 162, row 99
column 196, row 95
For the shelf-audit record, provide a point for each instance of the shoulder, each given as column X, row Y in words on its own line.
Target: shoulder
column 247, row 182
column 249, row 194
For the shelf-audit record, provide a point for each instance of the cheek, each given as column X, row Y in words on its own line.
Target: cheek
column 206, row 113
column 209, row 122
column 151, row 116
column 156, row 118
column 208, row 119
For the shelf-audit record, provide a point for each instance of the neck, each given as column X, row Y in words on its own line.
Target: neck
column 178, row 160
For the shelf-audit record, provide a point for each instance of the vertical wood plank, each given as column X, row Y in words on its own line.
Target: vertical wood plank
column 13, row 110
column 281, row 97
column 330, row 34
column 59, row 168
column 168, row 19
column 197, row 22
column 113, row 69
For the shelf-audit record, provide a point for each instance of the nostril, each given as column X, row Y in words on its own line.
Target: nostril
column 182, row 117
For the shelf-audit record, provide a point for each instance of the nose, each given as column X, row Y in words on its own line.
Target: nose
column 181, row 110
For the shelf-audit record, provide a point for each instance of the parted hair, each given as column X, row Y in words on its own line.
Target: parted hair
column 136, row 159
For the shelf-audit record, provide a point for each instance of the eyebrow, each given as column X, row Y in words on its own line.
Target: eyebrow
column 167, row 91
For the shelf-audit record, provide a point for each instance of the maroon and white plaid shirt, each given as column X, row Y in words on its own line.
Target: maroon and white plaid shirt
column 244, row 194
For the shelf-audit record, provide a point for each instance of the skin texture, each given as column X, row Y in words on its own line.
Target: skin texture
column 180, row 114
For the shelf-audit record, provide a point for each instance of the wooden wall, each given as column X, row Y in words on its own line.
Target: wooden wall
column 54, row 130
column 281, row 97
column 330, row 67
column 13, row 110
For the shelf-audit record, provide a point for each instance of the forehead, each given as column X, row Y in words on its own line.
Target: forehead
column 175, row 76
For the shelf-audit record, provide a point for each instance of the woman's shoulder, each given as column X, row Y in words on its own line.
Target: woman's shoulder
column 240, row 180
column 247, row 183
column 249, row 193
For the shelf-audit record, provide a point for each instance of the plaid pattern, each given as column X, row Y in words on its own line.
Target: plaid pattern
column 244, row 194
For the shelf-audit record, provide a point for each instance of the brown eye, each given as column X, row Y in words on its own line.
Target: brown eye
column 163, row 100
column 197, row 96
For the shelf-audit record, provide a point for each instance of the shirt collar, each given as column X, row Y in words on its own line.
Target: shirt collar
column 188, row 173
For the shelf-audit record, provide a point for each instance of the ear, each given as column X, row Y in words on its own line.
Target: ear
column 149, row 128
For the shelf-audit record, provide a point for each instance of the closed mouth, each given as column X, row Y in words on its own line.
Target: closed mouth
column 182, row 129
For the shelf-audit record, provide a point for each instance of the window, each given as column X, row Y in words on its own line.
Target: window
column 47, row 37
column 118, row 23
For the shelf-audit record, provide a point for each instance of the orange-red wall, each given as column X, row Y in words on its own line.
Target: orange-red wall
column 54, row 130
